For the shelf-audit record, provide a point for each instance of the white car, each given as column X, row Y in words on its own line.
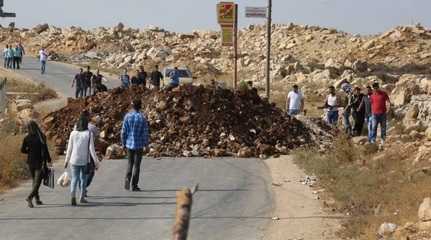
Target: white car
column 186, row 76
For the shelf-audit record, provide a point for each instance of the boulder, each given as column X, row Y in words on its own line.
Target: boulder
column 41, row 28
column 424, row 212
column 428, row 133
column 387, row 229
column 22, row 104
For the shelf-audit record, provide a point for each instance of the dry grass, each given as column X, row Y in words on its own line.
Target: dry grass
column 13, row 167
column 371, row 190
column 37, row 92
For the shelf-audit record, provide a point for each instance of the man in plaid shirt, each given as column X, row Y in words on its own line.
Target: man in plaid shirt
column 134, row 137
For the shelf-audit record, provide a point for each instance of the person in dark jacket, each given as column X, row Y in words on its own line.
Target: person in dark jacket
column 358, row 112
column 36, row 148
column 156, row 76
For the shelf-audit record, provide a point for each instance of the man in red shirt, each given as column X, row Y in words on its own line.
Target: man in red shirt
column 378, row 100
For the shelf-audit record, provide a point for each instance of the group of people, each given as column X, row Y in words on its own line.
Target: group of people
column 140, row 78
column 12, row 56
column 370, row 107
column 81, row 156
column 86, row 83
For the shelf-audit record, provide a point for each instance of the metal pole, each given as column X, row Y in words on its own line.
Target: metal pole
column 268, row 53
column 235, row 29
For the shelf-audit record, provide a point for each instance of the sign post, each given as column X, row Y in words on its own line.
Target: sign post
column 227, row 14
column 268, row 52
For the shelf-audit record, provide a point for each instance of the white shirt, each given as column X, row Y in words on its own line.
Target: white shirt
column 295, row 100
column 79, row 149
column 332, row 100
column 43, row 56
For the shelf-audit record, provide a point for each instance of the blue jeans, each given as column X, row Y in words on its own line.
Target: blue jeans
column 378, row 119
column 43, row 66
column 370, row 128
column 346, row 120
column 294, row 112
column 332, row 116
column 78, row 177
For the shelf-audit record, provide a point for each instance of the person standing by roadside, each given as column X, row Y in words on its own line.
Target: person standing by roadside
column 331, row 104
column 125, row 79
column 17, row 57
column 5, row 56
column 175, row 79
column 295, row 101
column 78, row 83
column 21, row 47
column 347, row 113
column 379, row 99
column 9, row 56
column 80, row 149
column 135, row 80
column 88, row 75
column 142, row 77
column 134, row 137
column 156, row 76
column 38, row 158
column 366, row 104
column 96, row 82
column 43, row 57
column 358, row 112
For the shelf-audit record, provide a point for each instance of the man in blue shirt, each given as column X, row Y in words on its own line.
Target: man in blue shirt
column 134, row 137
column 175, row 79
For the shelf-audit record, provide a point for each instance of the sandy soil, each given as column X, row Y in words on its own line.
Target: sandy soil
column 299, row 213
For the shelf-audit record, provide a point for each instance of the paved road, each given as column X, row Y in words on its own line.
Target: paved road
column 234, row 201
column 58, row 76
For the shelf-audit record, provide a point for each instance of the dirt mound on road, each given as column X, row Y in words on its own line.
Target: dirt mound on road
column 193, row 121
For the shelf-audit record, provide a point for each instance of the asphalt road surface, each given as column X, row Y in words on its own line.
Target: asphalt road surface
column 234, row 201
column 58, row 76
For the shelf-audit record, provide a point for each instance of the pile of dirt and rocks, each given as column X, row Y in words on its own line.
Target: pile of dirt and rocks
column 192, row 121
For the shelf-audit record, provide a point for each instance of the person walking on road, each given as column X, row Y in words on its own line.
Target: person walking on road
column 156, row 76
column 125, row 79
column 9, row 56
column 78, row 83
column 88, row 75
column 379, row 99
column 38, row 159
column 295, row 101
column 134, row 137
column 94, row 130
column 43, row 57
column 80, row 149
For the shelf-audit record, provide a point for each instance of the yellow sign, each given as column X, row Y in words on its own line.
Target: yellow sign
column 227, row 32
column 226, row 12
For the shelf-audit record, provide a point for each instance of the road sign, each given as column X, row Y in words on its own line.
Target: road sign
column 226, row 12
column 256, row 12
column 227, row 35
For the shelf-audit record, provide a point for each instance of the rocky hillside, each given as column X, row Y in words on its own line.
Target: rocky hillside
column 303, row 50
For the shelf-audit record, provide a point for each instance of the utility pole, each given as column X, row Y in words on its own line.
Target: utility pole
column 268, row 53
column 235, row 43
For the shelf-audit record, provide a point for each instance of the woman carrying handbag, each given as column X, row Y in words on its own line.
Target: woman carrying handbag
column 38, row 159
column 79, row 150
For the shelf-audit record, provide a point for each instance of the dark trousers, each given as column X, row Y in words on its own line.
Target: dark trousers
column 16, row 62
column 78, row 92
column 36, row 174
column 134, row 167
column 359, row 123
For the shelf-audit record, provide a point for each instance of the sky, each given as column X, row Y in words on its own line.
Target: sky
column 353, row 16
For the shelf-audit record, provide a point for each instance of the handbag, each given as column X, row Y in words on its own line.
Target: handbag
column 50, row 178
column 90, row 165
column 64, row 180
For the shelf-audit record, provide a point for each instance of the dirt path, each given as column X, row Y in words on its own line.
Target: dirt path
column 300, row 214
